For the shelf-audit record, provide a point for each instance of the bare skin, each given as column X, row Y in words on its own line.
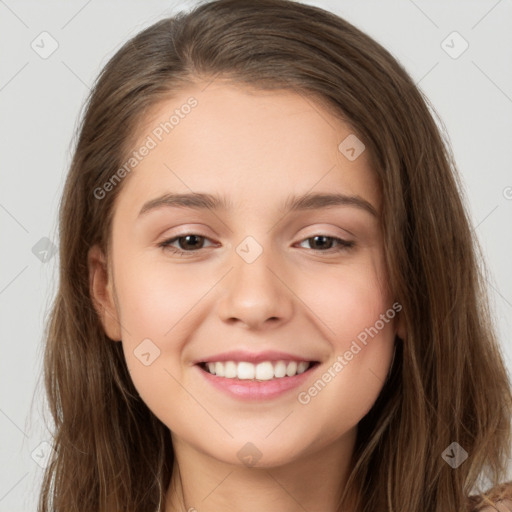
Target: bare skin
column 255, row 148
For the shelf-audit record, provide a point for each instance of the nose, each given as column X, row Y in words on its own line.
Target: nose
column 256, row 294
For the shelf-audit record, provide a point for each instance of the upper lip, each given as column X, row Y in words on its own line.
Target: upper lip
column 253, row 357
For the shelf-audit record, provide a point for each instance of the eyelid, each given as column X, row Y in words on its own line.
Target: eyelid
column 324, row 230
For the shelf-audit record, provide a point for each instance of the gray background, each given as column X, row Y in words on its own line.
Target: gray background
column 40, row 101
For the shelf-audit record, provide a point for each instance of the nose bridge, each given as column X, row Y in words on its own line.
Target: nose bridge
column 252, row 267
column 253, row 291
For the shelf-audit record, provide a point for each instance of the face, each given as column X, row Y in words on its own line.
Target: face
column 259, row 284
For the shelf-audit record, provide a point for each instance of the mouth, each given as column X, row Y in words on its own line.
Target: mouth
column 259, row 380
column 260, row 372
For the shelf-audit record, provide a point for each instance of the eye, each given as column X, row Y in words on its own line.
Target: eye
column 192, row 242
column 323, row 240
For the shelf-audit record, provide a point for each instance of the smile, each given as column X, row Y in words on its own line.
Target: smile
column 266, row 370
column 265, row 380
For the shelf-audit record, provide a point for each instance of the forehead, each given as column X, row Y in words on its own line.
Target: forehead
column 249, row 145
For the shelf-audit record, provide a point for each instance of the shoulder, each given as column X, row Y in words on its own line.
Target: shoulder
column 497, row 499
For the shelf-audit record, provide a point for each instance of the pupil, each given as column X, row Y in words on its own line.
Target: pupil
column 193, row 237
column 319, row 237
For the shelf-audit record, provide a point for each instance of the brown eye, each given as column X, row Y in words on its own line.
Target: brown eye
column 323, row 243
column 191, row 242
column 187, row 244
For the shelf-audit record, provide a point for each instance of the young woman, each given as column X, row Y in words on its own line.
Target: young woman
column 258, row 369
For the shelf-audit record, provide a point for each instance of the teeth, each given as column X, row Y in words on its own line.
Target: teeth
column 266, row 370
column 291, row 369
column 280, row 369
column 219, row 369
column 230, row 370
column 302, row 367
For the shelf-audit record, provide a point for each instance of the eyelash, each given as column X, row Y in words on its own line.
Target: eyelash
column 343, row 245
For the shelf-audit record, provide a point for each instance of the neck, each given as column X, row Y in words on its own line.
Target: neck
column 313, row 482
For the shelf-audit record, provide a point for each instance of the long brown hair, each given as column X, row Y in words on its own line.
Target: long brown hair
column 448, row 382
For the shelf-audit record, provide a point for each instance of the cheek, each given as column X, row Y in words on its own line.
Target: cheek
column 154, row 302
column 347, row 300
column 155, row 298
column 156, row 307
column 355, row 310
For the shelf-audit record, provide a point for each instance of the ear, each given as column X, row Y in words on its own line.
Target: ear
column 100, row 288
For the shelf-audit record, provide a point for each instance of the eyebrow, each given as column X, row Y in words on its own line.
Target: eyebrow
column 201, row 201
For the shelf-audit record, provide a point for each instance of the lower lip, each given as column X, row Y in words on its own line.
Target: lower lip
column 257, row 390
